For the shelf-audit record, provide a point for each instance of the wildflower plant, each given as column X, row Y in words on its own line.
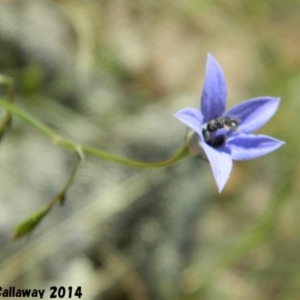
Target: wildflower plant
column 214, row 134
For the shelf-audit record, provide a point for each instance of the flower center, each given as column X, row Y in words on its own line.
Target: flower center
column 215, row 131
column 216, row 141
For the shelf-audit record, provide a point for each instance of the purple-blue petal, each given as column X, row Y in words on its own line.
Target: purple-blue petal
column 249, row 146
column 254, row 113
column 214, row 94
column 192, row 118
column 221, row 164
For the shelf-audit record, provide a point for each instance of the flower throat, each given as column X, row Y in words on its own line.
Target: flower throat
column 209, row 130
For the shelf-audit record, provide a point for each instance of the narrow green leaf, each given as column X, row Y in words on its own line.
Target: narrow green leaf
column 27, row 226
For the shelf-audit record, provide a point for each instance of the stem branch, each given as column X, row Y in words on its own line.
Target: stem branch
column 72, row 146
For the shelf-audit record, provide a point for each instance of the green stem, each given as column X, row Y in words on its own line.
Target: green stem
column 61, row 196
column 29, row 119
column 181, row 153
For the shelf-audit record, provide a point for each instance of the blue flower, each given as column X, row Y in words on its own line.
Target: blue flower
column 212, row 134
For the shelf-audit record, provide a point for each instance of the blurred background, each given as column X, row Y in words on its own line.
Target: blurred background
column 110, row 74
